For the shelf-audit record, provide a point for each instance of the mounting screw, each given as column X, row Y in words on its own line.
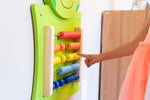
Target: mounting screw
column 107, row 13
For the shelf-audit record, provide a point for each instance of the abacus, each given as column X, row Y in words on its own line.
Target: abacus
column 57, row 39
column 50, row 61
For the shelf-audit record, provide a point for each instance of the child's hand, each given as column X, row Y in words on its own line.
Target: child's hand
column 90, row 58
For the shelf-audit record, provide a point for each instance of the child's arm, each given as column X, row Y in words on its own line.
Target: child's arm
column 124, row 50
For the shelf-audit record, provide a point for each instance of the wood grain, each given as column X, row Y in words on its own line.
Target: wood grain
column 118, row 27
column 48, row 61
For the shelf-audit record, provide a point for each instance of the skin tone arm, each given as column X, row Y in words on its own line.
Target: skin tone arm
column 124, row 50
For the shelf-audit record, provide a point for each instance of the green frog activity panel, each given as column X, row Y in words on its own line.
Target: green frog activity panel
column 57, row 39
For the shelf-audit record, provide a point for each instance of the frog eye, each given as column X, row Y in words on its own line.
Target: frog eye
column 67, row 3
column 64, row 8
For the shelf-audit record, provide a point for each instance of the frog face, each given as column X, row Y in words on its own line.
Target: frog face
column 64, row 8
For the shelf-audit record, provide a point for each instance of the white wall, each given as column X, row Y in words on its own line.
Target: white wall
column 16, row 48
column 122, row 4
column 91, row 24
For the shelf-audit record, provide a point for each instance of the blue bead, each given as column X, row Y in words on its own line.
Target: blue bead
column 56, row 84
column 75, row 66
column 53, row 86
column 76, row 76
column 61, row 82
column 62, row 70
column 66, row 80
column 71, row 78
column 68, row 68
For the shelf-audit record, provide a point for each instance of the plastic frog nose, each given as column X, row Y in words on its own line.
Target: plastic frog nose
column 67, row 3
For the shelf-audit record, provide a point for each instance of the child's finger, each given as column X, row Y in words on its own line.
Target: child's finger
column 86, row 62
column 89, row 65
column 84, row 55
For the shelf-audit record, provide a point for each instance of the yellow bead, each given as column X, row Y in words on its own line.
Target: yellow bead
column 77, row 57
column 57, row 60
column 63, row 58
column 71, row 57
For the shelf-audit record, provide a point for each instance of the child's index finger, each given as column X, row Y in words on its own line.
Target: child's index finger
column 83, row 55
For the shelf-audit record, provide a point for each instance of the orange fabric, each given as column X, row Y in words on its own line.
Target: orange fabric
column 135, row 82
column 147, row 92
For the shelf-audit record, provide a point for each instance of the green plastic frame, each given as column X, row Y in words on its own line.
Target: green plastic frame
column 43, row 15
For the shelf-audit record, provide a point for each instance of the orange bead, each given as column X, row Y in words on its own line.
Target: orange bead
column 73, row 46
column 69, row 35
column 56, row 47
column 62, row 47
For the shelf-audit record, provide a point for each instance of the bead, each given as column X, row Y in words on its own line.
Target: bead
column 67, row 80
column 63, row 58
column 62, row 47
column 69, row 35
column 71, row 57
column 68, row 68
column 57, row 60
column 61, row 82
column 76, row 56
column 71, row 78
column 76, row 76
column 56, row 84
column 56, row 47
column 59, row 47
column 73, row 46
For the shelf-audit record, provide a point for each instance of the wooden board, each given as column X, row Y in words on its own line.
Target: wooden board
column 118, row 27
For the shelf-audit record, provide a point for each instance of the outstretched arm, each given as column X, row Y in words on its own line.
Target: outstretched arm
column 124, row 50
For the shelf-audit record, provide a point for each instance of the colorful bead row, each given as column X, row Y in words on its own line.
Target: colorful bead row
column 69, row 35
column 66, row 80
column 69, row 46
column 68, row 57
column 69, row 68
